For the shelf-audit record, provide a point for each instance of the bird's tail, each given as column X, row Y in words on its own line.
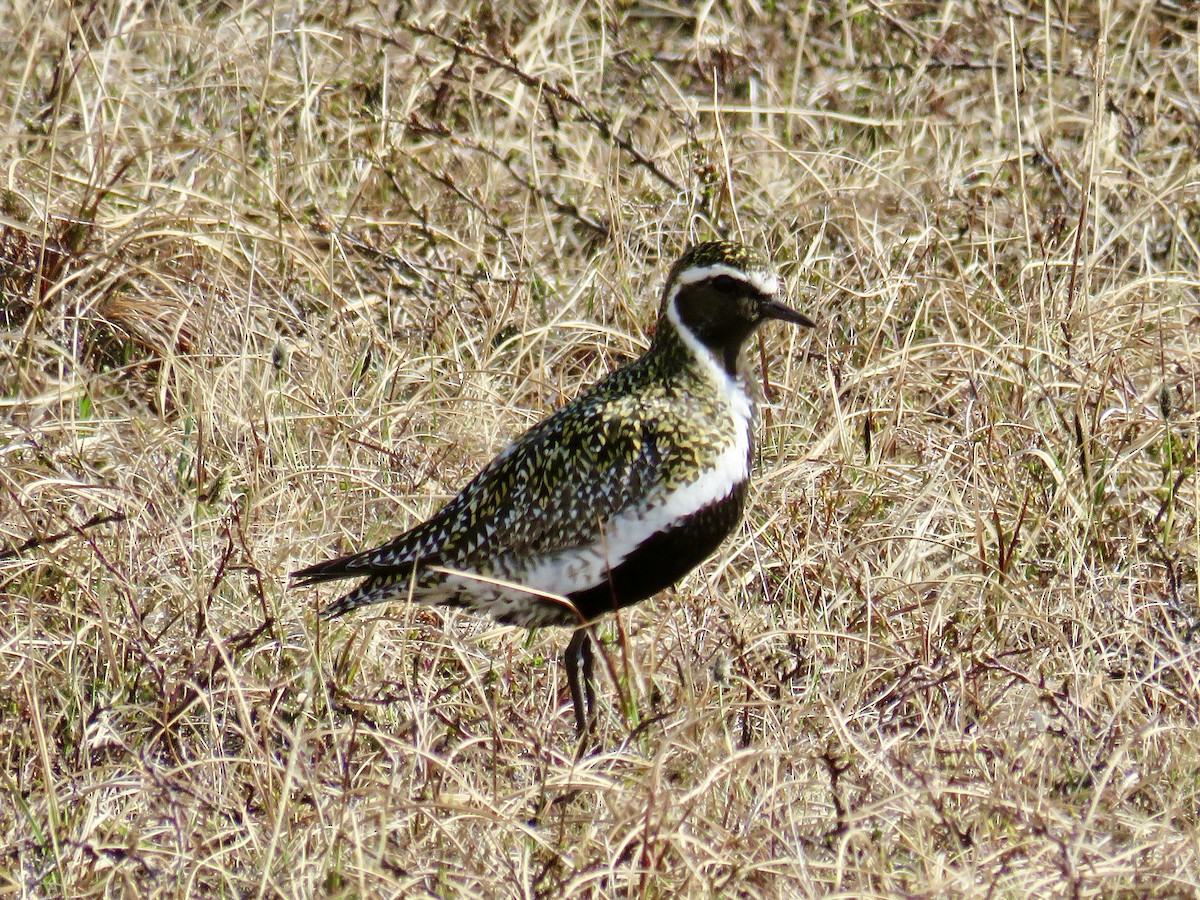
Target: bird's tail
column 366, row 594
column 332, row 570
column 383, row 583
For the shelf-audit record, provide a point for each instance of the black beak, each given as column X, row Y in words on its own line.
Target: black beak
column 773, row 309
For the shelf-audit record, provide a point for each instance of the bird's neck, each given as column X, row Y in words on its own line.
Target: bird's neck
column 677, row 351
column 676, row 344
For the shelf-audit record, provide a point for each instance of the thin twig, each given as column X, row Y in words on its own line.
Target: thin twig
column 544, row 88
column 33, row 543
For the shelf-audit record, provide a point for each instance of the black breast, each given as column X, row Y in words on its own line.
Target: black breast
column 664, row 558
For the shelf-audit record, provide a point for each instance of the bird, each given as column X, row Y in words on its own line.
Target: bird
column 612, row 498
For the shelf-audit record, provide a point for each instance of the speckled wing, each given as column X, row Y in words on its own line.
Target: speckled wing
column 547, row 494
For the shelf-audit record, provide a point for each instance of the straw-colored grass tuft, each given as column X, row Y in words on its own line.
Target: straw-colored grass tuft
column 277, row 278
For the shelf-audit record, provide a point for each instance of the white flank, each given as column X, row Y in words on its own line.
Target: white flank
column 586, row 567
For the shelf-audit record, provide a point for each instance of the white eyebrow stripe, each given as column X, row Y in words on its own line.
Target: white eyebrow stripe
column 762, row 282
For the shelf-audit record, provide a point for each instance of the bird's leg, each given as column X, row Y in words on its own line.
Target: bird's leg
column 579, row 660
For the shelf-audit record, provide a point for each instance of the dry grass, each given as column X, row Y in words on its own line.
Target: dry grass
column 278, row 277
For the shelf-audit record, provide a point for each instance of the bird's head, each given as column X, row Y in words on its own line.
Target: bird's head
column 718, row 294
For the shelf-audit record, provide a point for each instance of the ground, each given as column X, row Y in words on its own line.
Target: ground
column 279, row 277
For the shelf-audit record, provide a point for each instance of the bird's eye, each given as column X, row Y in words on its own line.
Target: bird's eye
column 726, row 284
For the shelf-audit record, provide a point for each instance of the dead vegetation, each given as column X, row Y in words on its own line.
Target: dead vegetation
column 277, row 278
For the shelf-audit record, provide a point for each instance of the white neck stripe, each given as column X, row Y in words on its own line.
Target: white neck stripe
column 703, row 355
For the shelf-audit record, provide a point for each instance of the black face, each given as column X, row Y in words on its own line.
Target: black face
column 723, row 311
